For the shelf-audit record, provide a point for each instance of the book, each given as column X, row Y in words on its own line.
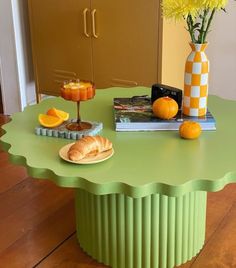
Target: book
column 135, row 114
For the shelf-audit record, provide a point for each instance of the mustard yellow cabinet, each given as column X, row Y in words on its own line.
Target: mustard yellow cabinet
column 61, row 51
column 113, row 43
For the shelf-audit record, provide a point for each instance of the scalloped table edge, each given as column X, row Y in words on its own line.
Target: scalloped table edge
column 119, row 187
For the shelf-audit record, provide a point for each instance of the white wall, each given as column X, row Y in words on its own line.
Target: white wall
column 23, row 45
column 16, row 72
column 9, row 78
column 222, row 53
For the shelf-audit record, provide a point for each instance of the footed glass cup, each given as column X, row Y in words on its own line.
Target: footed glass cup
column 77, row 91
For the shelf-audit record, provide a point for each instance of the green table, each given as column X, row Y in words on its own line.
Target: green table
column 146, row 206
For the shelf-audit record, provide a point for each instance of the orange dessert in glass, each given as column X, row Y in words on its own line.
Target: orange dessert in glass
column 78, row 90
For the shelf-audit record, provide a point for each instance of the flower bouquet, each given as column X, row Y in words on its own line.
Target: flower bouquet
column 198, row 15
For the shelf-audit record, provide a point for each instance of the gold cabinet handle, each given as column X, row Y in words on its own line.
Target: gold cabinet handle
column 85, row 22
column 93, row 23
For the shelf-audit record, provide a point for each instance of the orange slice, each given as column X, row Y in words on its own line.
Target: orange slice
column 58, row 113
column 49, row 121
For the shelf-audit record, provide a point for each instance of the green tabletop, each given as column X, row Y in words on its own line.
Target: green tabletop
column 143, row 162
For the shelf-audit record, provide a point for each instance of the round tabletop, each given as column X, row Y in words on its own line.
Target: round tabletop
column 143, row 162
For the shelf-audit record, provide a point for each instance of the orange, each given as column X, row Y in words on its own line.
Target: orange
column 190, row 130
column 165, row 108
column 49, row 121
column 58, row 113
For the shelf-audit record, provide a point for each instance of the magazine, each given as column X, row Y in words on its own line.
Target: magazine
column 135, row 114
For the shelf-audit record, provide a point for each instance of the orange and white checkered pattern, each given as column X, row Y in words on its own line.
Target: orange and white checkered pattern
column 196, row 82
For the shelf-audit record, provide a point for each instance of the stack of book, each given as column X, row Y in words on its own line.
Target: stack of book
column 135, row 114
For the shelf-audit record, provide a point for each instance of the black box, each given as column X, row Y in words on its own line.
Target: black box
column 160, row 90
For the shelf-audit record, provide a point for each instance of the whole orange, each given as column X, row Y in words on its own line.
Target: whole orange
column 190, row 130
column 165, row 107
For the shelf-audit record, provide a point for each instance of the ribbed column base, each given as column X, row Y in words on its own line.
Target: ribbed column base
column 156, row 231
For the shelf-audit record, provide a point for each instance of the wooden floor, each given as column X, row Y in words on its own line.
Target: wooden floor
column 37, row 224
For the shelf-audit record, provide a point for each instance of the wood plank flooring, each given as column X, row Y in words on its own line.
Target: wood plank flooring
column 37, row 224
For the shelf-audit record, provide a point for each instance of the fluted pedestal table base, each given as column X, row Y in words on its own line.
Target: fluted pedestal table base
column 155, row 231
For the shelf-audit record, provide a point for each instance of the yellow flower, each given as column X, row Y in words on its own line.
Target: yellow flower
column 198, row 15
column 177, row 9
column 218, row 4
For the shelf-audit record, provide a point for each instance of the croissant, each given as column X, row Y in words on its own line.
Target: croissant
column 89, row 145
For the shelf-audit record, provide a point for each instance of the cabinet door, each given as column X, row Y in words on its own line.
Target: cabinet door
column 61, row 51
column 125, row 52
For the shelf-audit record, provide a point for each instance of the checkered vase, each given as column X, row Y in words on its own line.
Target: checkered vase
column 196, row 81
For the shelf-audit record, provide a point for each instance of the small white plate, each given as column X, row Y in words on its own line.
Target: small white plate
column 87, row 160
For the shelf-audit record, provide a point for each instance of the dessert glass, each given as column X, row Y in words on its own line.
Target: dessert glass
column 77, row 91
